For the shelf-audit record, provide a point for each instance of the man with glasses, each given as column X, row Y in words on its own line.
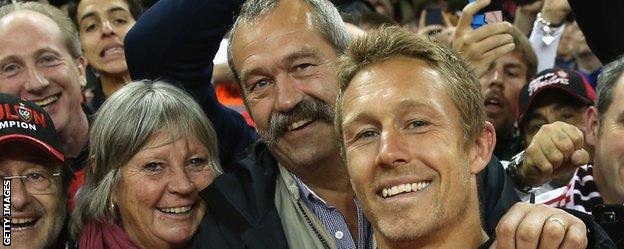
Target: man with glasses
column 35, row 178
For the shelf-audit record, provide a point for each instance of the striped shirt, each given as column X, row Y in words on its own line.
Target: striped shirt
column 334, row 222
column 580, row 194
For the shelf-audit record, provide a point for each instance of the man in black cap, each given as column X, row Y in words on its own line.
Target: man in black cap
column 35, row 178
column 552, row 122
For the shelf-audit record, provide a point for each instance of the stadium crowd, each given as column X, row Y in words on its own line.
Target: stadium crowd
column 346, row 124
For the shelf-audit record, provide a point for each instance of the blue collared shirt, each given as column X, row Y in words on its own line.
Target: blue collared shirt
column 334, row 221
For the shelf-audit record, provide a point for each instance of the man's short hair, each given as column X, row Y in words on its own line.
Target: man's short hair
column 607, row 81
column 526, row 52
column 67, row 27
column 386, row 43
column 325, row 16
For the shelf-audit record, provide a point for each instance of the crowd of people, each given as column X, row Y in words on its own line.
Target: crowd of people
column 366, row 124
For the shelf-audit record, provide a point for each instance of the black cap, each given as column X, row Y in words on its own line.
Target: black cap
column 567, row 82
column 25, row 122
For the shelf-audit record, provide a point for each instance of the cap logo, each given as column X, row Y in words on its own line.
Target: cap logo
column 20, row 116
column 24, row 113
column 559, row 77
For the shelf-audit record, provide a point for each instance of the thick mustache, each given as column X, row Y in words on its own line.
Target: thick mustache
column 307, row 109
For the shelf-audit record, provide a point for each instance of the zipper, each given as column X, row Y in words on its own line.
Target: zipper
column 309, row 221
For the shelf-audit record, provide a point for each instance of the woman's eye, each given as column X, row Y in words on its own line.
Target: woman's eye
column 198, row 163
column 153, row 166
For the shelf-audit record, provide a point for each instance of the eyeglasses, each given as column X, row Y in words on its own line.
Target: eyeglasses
column 37, row 182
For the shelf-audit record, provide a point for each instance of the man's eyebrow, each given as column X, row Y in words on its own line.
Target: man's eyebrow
column 404, row 104
column 10, row 58
column 116, row 8
column 513, row 65
column 303, row 53
column 87, row 15
column 246, row 72
column 110, row 10
column 287, row 60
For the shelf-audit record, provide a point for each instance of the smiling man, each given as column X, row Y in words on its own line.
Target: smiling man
column 41, row 61
column 414, row 137
column 31, row 159
column 412, row 163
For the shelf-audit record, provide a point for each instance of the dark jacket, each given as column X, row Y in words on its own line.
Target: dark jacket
column 601, row 22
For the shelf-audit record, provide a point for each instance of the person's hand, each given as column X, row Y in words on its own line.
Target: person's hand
column 556, row 148
column 482, row 46
column 539, row 226
column 555, row 11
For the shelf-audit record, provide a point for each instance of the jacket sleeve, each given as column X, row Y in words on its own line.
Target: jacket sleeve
column 601, row 21
column 176, row 40
column 496, row 194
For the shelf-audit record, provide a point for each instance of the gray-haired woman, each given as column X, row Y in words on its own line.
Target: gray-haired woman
column 151, row 150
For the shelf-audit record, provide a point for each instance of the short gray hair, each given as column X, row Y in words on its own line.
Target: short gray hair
column 607, row 81
column 65, row 24
column 324, row 15
column 123, row 125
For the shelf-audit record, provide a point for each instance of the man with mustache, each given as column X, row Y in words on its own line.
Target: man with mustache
column 292, row 189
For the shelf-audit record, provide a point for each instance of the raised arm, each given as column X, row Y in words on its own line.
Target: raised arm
column 176, row 40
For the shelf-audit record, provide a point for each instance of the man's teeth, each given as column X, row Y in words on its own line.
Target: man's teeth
column 176, row 210
column 298, row 124
column 47, row 101
column 113, row 50
column 404, row 188
column 19, row 221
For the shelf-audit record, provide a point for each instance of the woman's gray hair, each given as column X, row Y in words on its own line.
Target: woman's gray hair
column 325, row 16
column 121, row 128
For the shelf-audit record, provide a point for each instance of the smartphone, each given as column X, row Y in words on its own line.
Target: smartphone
column 611, row 219
column 490, row 14
column 434, row 16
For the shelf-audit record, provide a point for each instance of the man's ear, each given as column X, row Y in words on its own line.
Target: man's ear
column 593, row 123
column 81, row 64
column 482, row 149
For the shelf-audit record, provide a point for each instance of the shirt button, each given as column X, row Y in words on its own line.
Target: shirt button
column 339, row 235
